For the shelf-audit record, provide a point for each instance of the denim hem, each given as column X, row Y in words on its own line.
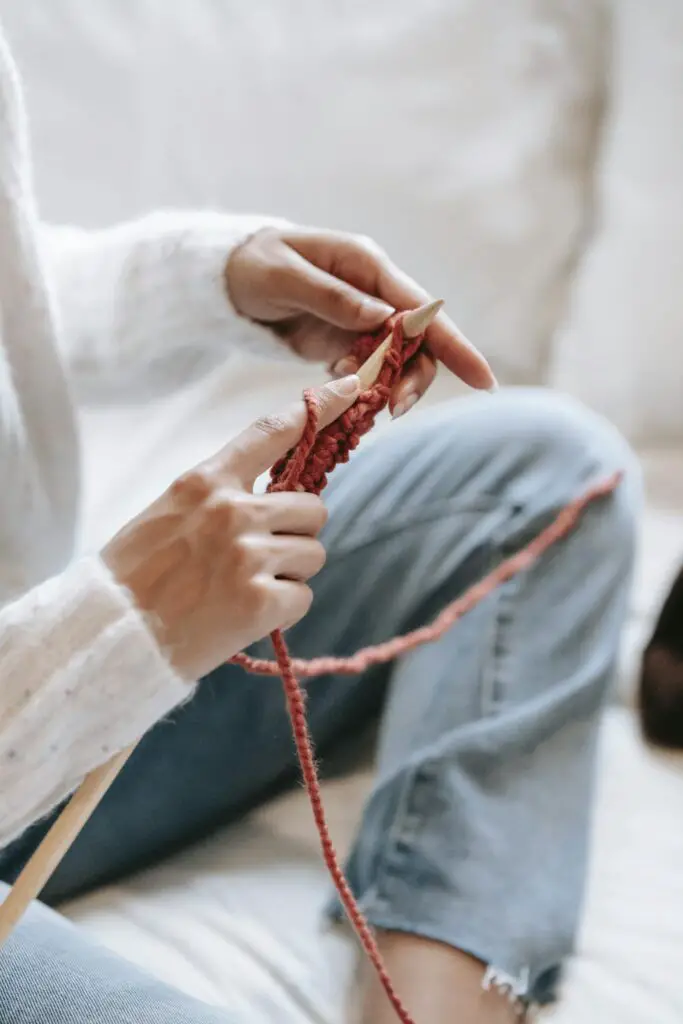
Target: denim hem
column 439, row 920
column 382, row 875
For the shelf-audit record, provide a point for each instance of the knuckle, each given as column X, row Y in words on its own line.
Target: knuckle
column 297, row 605
column 369, row 245
column 245, row 555
column 319, row 516
column 319, row 557
column 193, row 487
column 227, row 512
column 339, row 301
column 304, row 601
column 273, row 424
column 256, row 597
column 312, row 512
column 322, row 513
column 267, row 234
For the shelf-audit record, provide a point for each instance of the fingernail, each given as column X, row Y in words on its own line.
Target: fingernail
column 344, row 367
column 347, row 386
column 493, row 387
column 405, row 405
column 377, row 308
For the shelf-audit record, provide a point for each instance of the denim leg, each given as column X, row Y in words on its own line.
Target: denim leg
column 476, row 832
column 486, row 754
column 51, row 973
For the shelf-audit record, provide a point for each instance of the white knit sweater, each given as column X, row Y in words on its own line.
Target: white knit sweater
column 138, row 307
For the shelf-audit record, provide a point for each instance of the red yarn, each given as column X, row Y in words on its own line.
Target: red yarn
column 306, row 468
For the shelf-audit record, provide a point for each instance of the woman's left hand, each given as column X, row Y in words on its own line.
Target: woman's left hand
column 319, row 289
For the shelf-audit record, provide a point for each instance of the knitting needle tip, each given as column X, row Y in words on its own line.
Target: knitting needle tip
column 416, row 321
column 369, row 371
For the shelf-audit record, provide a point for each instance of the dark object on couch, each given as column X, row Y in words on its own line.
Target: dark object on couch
column 661, row 679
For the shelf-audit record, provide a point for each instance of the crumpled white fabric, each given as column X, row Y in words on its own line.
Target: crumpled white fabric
column 238, row 921
column 619, row 347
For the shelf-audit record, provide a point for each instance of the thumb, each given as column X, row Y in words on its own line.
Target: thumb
column 333, row 300
column 267, row 440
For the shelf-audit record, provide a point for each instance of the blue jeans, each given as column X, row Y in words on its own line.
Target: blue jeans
column 476, row 831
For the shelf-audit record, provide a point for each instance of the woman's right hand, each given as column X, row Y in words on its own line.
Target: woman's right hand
column 215, row 567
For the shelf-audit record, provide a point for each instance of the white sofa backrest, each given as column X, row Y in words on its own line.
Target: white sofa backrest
column 457, row 132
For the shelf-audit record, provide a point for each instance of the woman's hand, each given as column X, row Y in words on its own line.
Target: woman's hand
column 217, row 567
column 319, row 289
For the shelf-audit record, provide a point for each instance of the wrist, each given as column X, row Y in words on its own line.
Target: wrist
column 261, row 337
column 237, row 270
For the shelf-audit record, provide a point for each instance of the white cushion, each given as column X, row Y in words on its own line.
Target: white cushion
column 620, row 348
column 455, row 131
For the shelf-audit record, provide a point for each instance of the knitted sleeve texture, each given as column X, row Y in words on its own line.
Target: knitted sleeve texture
column 144, row 306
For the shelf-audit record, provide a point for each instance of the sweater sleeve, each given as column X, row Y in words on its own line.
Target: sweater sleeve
column 82, row 678
column 144, row 308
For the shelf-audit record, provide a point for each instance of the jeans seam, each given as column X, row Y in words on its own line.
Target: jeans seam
column 507, row 598
column 490, row 690
column 398, row 832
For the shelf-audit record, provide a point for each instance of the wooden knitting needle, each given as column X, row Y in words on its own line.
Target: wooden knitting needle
column 48, row 855
column 46, row 858
column 415, row 323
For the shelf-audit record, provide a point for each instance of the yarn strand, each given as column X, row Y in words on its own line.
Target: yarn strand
column 307, row 467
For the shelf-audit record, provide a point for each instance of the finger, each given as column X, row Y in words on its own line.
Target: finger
column 332, row 299
column 367, row 268
column 446, row 342
column 291, row 557
column 291, row 512
column 267, row 440
column 418, row 375
column 354, row 258
column 289, row 602
column 317, row 341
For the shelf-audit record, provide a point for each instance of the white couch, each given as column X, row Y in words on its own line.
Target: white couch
column 523, row 160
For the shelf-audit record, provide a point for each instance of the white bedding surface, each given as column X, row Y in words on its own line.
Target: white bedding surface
column 238, row 922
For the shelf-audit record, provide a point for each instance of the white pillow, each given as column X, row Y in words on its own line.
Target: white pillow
column 457, row 132
column 621, row 348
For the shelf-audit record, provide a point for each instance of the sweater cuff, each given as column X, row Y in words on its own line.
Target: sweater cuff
column 83, row 677
column 209, row 239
